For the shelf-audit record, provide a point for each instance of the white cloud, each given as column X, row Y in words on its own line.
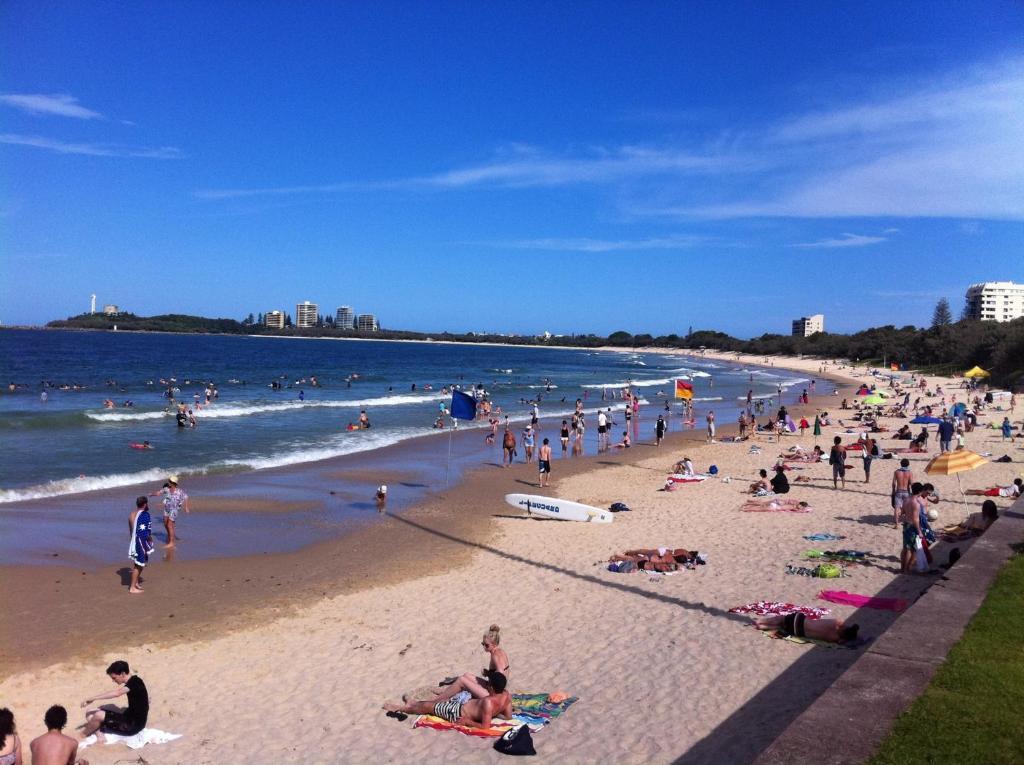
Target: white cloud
column 845, row 240
column 91, row 149
column 585, row 244
column 948, row 146
column 61, row 105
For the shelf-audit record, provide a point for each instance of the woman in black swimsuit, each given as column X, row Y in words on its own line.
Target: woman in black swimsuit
column 479, row 687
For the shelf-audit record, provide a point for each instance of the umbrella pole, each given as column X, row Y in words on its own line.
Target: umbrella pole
column 448, row 464
column 961, row 486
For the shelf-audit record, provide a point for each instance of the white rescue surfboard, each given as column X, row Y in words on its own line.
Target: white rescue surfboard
column 559, row 509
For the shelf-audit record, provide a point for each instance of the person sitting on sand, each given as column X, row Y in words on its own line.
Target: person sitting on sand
column 123, row 722
column 463, row 709
column 980, row 522
column 53, row 747
column 798, row 625
column 624, row 443
column 684, row 467
column 10, row 743
column 1013, row 490
column 480, row 687
column 761, row 487
column 779, row 482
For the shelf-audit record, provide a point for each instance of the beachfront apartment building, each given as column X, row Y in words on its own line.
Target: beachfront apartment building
column 345, row 318
column 367, row 322
column 306, row 314
column 111, row 310
column 808, row 325
column 274, row 319
column 995, row 301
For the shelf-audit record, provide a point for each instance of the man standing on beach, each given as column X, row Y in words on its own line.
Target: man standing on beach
column 837, row 459
column 508, row 447
column 602, row 429
column 659, row 430
column 544, row 463
column 945, row 434
column 710, row 419
column 140, row 542
column 175, row 500
column 53, row 747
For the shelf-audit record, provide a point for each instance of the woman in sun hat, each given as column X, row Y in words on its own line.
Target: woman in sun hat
column 175, row 500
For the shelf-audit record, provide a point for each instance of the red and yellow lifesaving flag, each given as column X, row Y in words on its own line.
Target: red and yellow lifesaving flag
column 684, row 389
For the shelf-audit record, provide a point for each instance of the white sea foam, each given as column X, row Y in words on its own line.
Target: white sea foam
column 633, row 383
column 244, row 410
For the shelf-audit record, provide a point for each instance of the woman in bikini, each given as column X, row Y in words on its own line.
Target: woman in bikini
column 480, row 687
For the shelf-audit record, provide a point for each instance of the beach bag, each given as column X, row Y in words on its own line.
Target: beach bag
column 517, row 741
column 713, row 470
column 622, row 567
column 619, row 507
column 921, row 556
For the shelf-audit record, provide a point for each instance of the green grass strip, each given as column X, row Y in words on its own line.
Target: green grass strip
column 973, row 711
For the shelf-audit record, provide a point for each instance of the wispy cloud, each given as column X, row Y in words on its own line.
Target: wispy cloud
column 585, row 244
column 946, row 146
column 61, row 105
column 91, row 149
column 845, row 240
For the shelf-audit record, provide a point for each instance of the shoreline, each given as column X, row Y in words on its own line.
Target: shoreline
column 192, row 601
column 404, row 608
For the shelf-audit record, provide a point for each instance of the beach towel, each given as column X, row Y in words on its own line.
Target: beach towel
column 533, row 709
column 139, row 740
column 862, row 601
column 141, row 543
column 823, row 537
column 822, row 571
column 843, row 556
column 773, row 607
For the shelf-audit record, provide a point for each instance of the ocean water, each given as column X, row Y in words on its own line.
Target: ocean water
column 70, row 443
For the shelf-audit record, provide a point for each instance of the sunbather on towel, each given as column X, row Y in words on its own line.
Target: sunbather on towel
column 1013, row 490
column 481, row 687
column 776, row 504
column 797, row 625
column 462, row 710
column 660, row 559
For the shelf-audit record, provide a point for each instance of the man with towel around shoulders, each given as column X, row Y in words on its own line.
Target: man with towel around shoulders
column 140, row 542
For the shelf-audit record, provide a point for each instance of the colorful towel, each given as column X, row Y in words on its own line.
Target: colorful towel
column 771, row 607
column 823, row 537
column 842, row 556
column 532, row 709
column 862, row 601
column 823, row 570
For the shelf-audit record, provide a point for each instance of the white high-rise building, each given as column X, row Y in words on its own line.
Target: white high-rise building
column 274, row 319
column 808, row 325
column 367, row 322
column 995, row 301
column 345, row 318
column 305, row 314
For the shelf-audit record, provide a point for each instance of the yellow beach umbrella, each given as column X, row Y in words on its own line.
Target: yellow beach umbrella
column 873, row 399
column 955, row 463
column 976, row 372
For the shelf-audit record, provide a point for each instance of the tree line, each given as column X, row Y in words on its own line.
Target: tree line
column 946, row 346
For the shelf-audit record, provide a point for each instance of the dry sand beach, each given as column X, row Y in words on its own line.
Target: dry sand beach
column 256, row 669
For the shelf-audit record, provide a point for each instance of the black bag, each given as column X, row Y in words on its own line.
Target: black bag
column 619, row 507
column 518, row 741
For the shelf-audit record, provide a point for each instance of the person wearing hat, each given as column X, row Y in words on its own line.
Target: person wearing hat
column 175, row 500
column 528, row 442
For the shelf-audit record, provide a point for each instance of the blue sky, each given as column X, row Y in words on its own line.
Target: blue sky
column 513, row 167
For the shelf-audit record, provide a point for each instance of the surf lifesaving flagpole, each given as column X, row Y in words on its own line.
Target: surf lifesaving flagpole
column 463, row 408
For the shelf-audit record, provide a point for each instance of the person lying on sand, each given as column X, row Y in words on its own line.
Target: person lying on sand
column 1013, row 490
column 462, row 709
column 660, row 559
column 480, row 687
column 776, row 504
column 798, row 625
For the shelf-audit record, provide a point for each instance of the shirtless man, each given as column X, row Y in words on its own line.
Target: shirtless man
column 53, row 747
column 544, row 463
column 463, row 710
column 798, row 625
column 902, row 478
column 910, row 515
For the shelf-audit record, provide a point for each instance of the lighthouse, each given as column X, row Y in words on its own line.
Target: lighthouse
column 92, row 303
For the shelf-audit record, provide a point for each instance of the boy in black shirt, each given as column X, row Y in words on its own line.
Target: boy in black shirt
column 123, row 722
